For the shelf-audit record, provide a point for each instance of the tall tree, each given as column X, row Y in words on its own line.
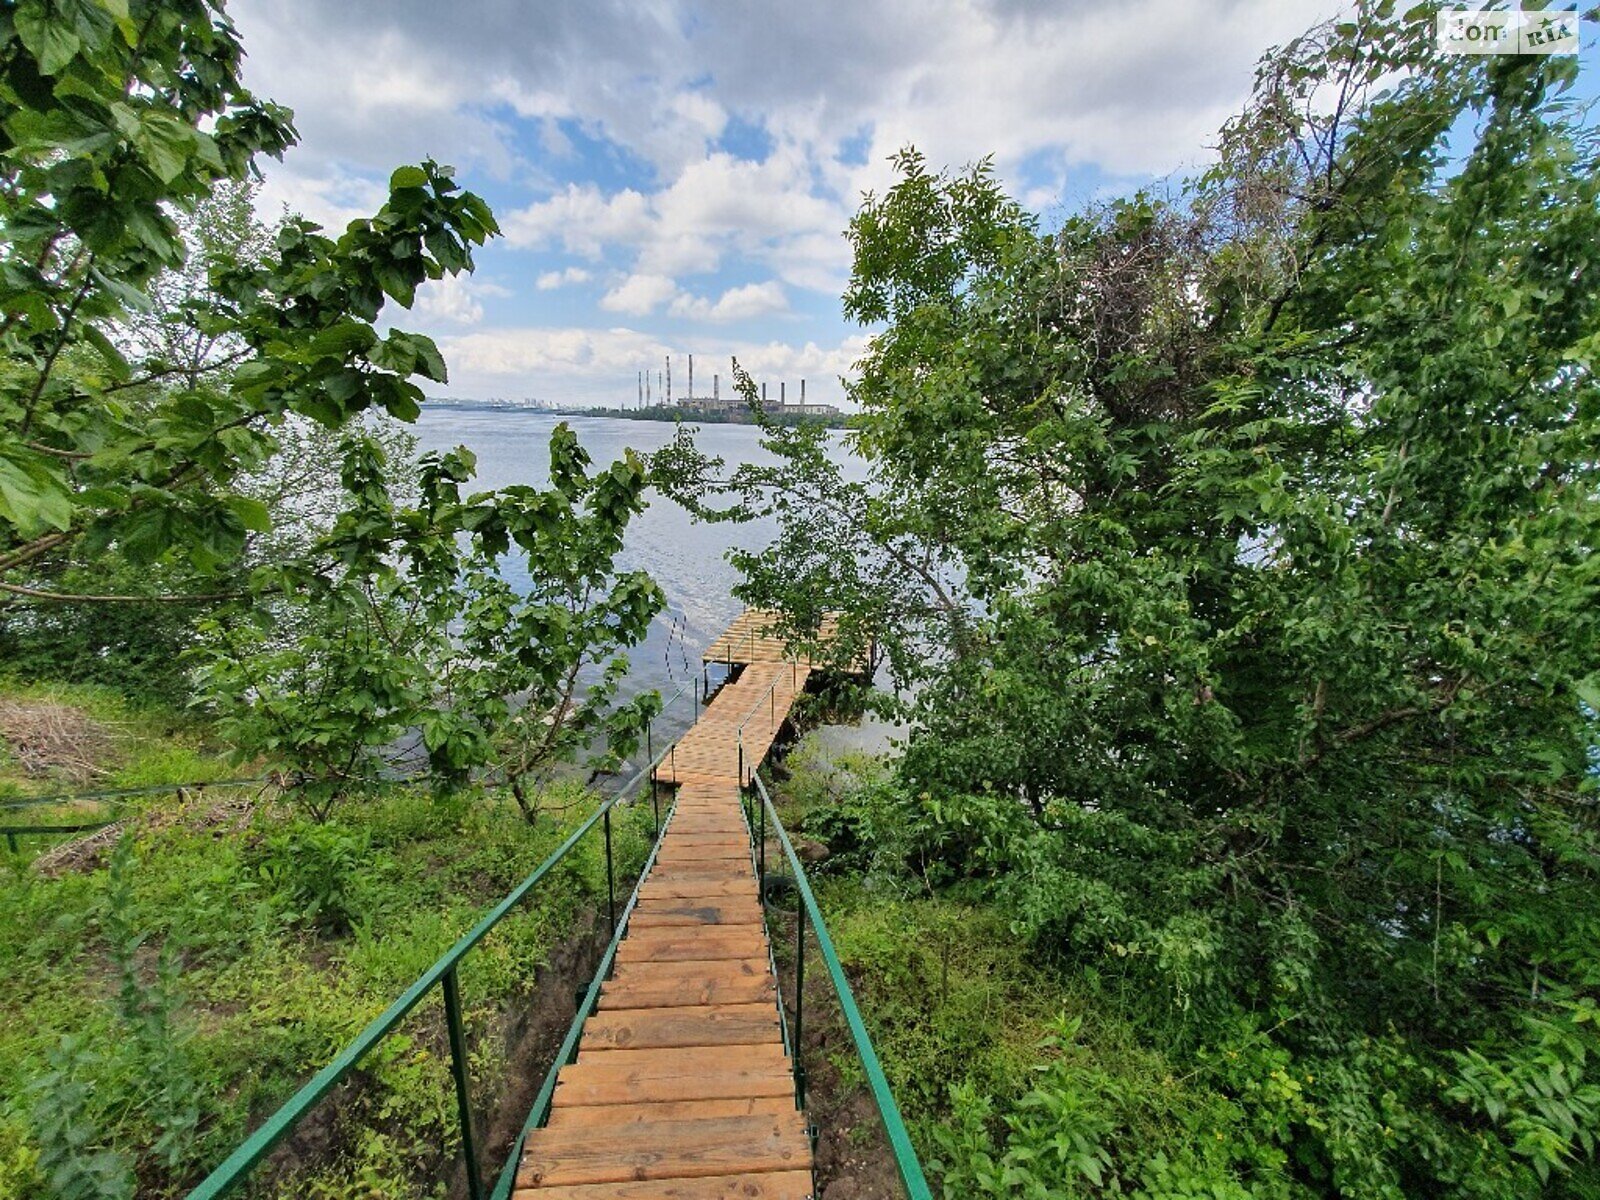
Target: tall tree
column 1261, row 662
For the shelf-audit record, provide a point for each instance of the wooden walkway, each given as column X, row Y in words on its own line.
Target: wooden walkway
column 748, row 711
column 682, row 1089
column 752, row 638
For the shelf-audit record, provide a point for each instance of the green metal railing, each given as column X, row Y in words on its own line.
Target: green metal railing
column 540, row 1111
column 905, row 1155
column 111, row 800
column 443, row 974
column 770, row 699
column 233, row 1170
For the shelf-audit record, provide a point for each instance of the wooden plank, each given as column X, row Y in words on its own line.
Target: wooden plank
column 602, row 1082
column 661, row 937
column 655, row 991
column 667, row 1150
column 694, row 839
column 685, row 1061
column 655, row 914
column 775, row 1185
column 674, row 854
column 707, row 943
column 756, row 966
column 705, row 872
column 696, row 889
column 707, row 826
column 689, row 1025
column 622, row 1115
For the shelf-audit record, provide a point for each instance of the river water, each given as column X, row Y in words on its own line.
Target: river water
column 686, row 558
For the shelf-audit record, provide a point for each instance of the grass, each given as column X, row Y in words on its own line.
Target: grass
column 160, row 1003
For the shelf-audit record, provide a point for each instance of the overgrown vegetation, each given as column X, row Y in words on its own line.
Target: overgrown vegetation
column 167, row 999
column 208, row 502
column 1240, row 548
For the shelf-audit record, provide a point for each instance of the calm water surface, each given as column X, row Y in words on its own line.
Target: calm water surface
column 686, row 558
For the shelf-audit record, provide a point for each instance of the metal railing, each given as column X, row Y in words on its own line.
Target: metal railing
column 111, row 800
column 233, row 1170
column 905, row 1155
column 770, row 698
column 540, row 1111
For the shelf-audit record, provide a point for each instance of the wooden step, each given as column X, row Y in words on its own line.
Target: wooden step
column 696, row 889
column 756, row 966
column 654, row 914
column 668, row 1150
column 777, row 1185
column 679, row 872
column 704, row 943
column 702, row 988
column 671, row 1110
column 696, row 1073
column 687, row 852
column 689, row 1025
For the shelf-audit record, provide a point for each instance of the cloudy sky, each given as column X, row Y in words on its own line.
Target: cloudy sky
column 675, row 176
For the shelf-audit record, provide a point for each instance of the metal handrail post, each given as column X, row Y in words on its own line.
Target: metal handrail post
column 611, row 877
column 458, row 1068
column 799, row 1007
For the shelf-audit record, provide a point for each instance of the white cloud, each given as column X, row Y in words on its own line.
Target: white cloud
column 332, row 199
column 455, row 299
column 719, row 206
column 648, row 98
column 735, row 304
column 580, row 219
column 548, row 281
column 638, row 295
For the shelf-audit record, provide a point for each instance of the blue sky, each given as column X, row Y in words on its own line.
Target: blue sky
column 675, row 177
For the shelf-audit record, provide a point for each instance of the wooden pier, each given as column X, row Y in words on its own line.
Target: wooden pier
column 683, row 1088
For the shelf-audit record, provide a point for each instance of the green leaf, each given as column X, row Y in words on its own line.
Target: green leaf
column 33, row 496
column 46, row 37
column 342, row 340
column 430, row 363
column 254, row 514
column 166, row 143
column 407, row 177
column 120, row 371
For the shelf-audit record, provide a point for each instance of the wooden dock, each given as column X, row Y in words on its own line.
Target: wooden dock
column 682, row 1088
column 753, row 638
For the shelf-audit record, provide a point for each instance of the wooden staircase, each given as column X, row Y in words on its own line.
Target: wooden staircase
column 683, row 1088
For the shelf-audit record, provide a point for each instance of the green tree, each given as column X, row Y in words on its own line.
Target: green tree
column 112, row 117
column 412, row 654
column 1261, row 666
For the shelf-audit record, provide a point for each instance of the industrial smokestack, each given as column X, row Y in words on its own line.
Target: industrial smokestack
column 641, row 389
column 691, row 377
column 763, row 395
column 802, row 393
column 783, row 395
column 669, row 379
column 716, row 387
